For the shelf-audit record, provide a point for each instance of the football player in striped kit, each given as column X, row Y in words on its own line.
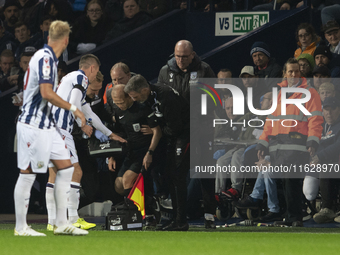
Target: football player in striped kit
column 73, row 89
column 38, row 139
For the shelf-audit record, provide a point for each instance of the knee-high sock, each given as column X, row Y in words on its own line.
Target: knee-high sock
column 73, row 202
column 50, row 203
column 22, row 193
column 61, row 190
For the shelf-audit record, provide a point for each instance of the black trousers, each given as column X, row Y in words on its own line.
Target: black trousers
column 177, row 169
column 329, row 189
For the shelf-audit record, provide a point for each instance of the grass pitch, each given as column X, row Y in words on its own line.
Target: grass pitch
column 239, row 240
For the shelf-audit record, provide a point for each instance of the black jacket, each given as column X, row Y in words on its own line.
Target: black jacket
column 126, row 25
column 171, row 75
column 171, row 109
column 273, row 70
column 7, row 42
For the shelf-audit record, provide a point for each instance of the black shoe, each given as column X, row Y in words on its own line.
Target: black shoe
column 209, row 224
column 150, row 222
column 181, row 227
column 174, row 226
column 248, row 202
column 270, row 216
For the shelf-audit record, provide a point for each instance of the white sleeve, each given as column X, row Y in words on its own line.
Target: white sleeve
column 75, row 99
column 97, row 123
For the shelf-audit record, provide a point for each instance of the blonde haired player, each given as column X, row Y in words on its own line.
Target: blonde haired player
column 38, row 139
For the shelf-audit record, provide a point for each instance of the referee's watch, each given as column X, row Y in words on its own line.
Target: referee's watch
column 150, row 152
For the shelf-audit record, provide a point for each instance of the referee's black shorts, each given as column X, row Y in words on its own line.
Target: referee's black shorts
column 133, row 161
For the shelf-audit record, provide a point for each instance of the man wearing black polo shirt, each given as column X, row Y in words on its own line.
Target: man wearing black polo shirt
column 130, row 116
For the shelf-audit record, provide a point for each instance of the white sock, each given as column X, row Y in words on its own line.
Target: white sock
column 73, row 202
column 61, row 190
column 50, row 203
column 22, row 193
column 209, row 216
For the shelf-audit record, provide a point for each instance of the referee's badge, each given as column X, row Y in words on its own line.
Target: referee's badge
column 136, row 127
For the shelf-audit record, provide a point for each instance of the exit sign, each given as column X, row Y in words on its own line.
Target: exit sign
column 239, row 23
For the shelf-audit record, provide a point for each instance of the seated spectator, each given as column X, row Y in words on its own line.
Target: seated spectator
column 25, row 7
column 307, row 39
column 326, row 89
column 24, row 39
column 59, row 10
column 250, row 80
column 23, row 65
column 321, row 74
column 6, row 63
column 155, row 8
column 234, row 156
column 324, row 57
column 331, row 12
column 224, row 77
column 41, row 36
column 133, row 18
column 11, row 14
column 89, row 30
column 306, row 63
column 328, row 153
column 332, row 35
column 6, row 39
column 265, row 65
column 280, row 5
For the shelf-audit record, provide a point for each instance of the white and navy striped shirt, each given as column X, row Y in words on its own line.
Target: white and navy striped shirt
column 75, row 80
column 43, row 68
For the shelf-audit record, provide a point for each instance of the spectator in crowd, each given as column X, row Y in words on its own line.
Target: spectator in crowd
column 250, row 80
column 279, row 5
column 224, row 73
column 234, row 156
column 6, row 39
column 24, row 39
column 182, row 71
column 306, row 63
column 173, row 112
column 140, row 146
column 224, row 76
column 265, row 65
column 41, row 36
column 155, row 8
column 23, row 65
column 307, row 39
column 133, row 18
column 6, row 63
column 332, row 35
column 324, row 57
column 326, row 89
column 328, row 153
column 11, row 13
column 321, row 74
column 59, row 10
column 62, row 70
column 25, row 7
column 331, row 12
column 90, row 30
column 265, row 181
column 292, row 145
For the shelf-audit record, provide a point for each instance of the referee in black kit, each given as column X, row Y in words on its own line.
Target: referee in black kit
column 131, row 117
column 173, row 112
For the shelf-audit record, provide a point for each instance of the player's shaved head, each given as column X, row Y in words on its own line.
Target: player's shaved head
column 88, row 60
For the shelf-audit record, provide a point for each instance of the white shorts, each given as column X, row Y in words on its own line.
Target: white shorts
column 68, row 138
column 37, row 146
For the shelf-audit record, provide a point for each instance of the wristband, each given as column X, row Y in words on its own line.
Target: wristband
column 73, row 108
